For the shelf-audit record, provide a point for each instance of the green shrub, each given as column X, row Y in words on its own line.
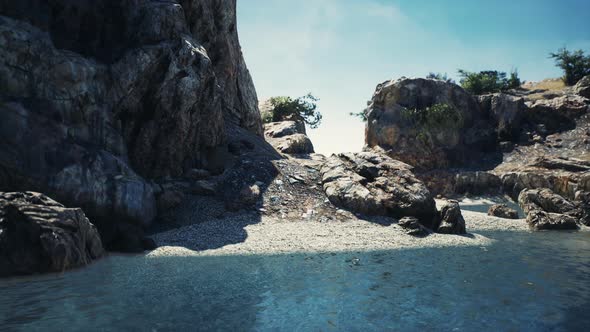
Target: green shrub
column 575, row 64
column 434, row 117
column 299, row 109
column 489, row 81
column 440, row 77
column 361, row 115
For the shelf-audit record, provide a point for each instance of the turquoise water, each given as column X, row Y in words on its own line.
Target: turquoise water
column 523, row 282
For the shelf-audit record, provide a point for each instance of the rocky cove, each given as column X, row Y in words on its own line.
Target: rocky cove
column 135, row 127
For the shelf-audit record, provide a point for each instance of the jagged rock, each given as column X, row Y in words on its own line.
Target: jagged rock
column 451, row 219
column 557, row 114
column 568, row 164
column 413, row 227
column 502, row 211
column 541, row 220
column 38, row 234
column 506, row 110
column 582, row 88
column 98, row 95
column 458, row 142
column 547, row 210
column 374, row 184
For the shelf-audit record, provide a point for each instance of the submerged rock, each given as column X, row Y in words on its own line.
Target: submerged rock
column 374, row 184
column 38, row 234
column 502, row 211
column 451, row 219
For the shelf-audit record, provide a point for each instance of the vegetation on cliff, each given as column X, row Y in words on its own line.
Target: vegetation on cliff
column 299, row 109
column 575, row 64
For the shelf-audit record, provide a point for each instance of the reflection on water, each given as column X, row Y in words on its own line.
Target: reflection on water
column 524, row 281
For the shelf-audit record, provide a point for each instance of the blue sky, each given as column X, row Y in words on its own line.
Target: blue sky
column 341, row 49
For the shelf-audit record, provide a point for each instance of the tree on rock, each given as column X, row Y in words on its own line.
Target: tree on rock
column 298, row 109
column 575, row 64
column 488, row 81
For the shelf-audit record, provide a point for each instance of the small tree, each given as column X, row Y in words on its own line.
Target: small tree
column 440, row 77
column 488, row 81
column 575, row 64
column 301, row 109
column 361, row 115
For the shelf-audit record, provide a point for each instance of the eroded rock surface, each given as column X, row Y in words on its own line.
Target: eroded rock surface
column 451, row 219
column 457, row 139
column 582, row 88
column 38, row 234
column 546, row 210
column 373, row 184
column 288, row 137
column 99, row 97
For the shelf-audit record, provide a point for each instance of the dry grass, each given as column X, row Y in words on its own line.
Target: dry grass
column 548, row 86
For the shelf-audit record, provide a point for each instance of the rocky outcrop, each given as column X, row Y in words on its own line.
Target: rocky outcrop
column 582, row 88
column 546, row 210
column 97, row 97
column 38, row 234
column 373, row 184
column 502, row 211
column 557, row 114
column 451, row 219
column 450, row 136
column 413, row 227
column 288, row 137
column 506, row 111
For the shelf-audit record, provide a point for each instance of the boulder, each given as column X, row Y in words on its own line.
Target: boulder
column 98, row 96
column 453, row 137
column 375, row 184
column 502, row 211
column 413, row 227
column 284, row 128
column 293, row 144
column 541, row 220
column 582, row 88
column 288, row 137
column 451, row 219
column 547, row 210
column 506, row 111
column 38, row 235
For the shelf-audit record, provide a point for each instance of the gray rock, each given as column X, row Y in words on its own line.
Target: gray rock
column 582, row 88
column 293, row 144
column 38, row 234
column 284, row 128
column 502, row 211
column 374, row 184
column 98, row 96
column 477, row 183
column 431, row 147
column 546, row 210
column 557, row 114
column 413, row 227
column 451, row 219
column 507, row 111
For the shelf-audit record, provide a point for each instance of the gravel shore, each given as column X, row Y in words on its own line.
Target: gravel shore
column 239, row 235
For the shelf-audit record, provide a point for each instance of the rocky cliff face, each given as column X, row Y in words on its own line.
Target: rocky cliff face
column 99, row 96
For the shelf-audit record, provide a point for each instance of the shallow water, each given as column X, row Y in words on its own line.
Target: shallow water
column 524, row 281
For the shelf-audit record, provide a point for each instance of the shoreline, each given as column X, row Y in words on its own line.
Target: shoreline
column 275, row 236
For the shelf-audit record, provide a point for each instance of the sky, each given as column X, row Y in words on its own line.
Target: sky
column 339, row 50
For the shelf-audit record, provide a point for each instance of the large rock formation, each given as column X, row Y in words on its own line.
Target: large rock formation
column 507, row 113
column 401, row 120
column 548, row 211
column 582, row 88
column 38, row 234
column 373, row 184
column 96, row 96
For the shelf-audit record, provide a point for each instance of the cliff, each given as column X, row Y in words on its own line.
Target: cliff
column 98, row 97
